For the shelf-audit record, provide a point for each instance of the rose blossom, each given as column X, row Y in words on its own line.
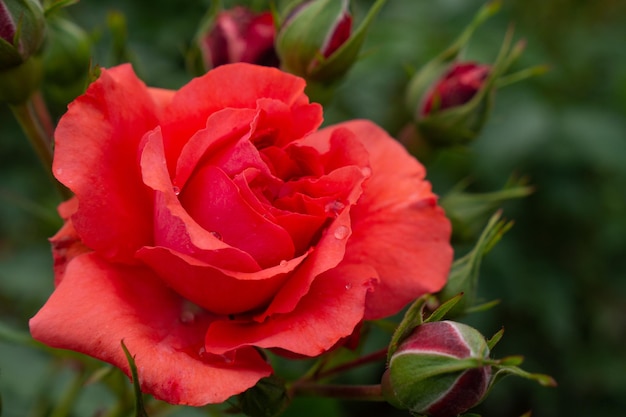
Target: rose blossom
column 215, row 220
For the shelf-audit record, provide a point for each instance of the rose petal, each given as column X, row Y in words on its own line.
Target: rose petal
column 397, row 226
column 173, row 226
column 233, row 86
column 96, row 157
column 215, row 202
column 223, row 129
column 66, row 243
column 98, row 305
column 219, row 291
column 330, row 311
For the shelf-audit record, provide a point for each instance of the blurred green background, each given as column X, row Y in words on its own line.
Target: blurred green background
column 560, row 272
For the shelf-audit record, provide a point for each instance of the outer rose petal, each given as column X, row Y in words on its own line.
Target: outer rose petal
column 397, row 227
column 66, row 244
column 328, row 312
column 97, row 305
column 96, row 149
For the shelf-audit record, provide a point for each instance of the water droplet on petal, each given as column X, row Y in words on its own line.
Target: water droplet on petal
column 366, row 171
column 283, row 263
column 333, row 208
column 176, row 190
column 215, row 234
column 187, row 316
column 348, row 286
column 341, row 232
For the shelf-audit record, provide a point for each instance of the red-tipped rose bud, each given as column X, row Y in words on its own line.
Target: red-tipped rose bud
column 238, row 35
column 439, row 370
column 459, row 84
column 451, row 99
column 316, row 41
column 22, row 27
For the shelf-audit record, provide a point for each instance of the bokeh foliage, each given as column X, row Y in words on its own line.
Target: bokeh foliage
column 560, row 272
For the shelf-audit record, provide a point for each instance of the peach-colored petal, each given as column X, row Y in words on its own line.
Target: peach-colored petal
column 98, row 304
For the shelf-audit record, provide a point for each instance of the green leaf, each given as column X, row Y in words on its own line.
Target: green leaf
column 268, row 398
column 465, row 271
column 139, row 407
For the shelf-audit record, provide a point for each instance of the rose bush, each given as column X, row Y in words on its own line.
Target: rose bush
column 215, row 220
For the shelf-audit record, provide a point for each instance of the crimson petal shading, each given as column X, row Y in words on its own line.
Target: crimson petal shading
column 97, row 305
column 96, row 156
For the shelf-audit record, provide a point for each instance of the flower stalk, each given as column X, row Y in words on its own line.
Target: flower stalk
column 345, row 392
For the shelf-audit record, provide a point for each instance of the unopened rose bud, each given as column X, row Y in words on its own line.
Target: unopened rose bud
column 458, row 86
column 22, row 28
column 238, row 35
column 439, row 370
column 451, row 101
column 316, row 40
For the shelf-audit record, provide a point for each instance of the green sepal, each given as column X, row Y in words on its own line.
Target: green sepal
column 461, row 124
column 337, row 64
column 299, row 41
column 268, row 398
column 435, row 68
column 9, row 55
column 18, row 83
column 30, row 29
column 412, row 318
column 469, row 211
column 52, row 6
column 464, row 273
column 493, row 341
column 444, row 308
column 427, row 376
column 139, row 407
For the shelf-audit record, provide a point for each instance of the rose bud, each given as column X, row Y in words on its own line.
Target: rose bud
column 22, row 28
column 451, row 99
column 457, row 87
column 238, row 35
column 439, row 370
column 316, row 41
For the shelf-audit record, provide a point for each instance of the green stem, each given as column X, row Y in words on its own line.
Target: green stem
column 36, row 123
column 43, row 115
column 346, row 392
column 372, row 357
column 27, row 118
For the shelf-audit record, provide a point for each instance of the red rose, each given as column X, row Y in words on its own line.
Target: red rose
column 215, row 220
